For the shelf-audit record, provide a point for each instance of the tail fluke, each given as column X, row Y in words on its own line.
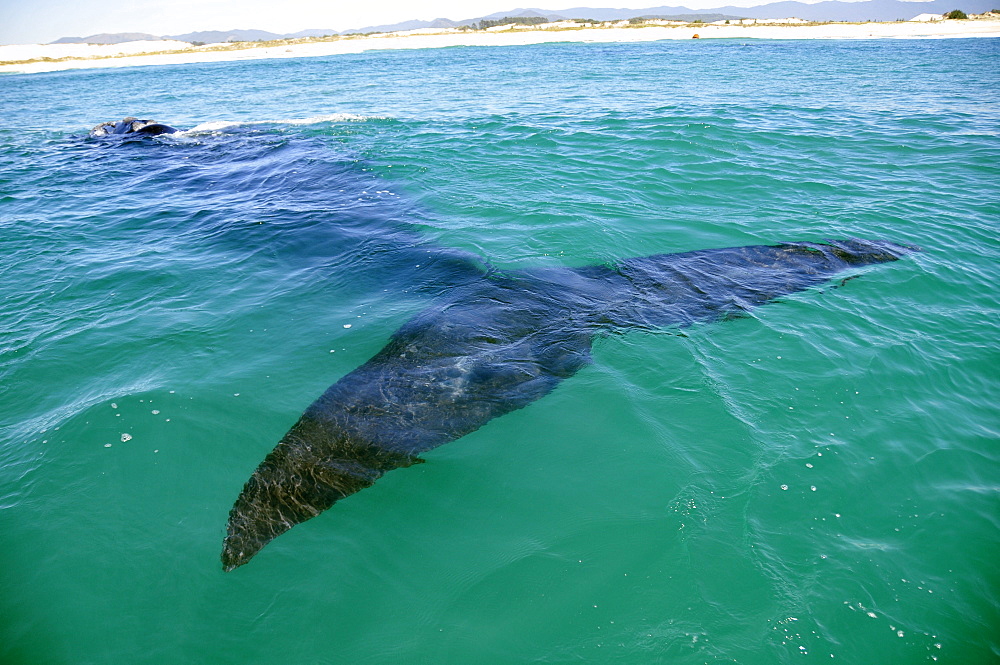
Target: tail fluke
column 293, row 484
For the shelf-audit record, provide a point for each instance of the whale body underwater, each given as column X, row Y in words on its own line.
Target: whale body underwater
column 494, row 342
column 495, row 345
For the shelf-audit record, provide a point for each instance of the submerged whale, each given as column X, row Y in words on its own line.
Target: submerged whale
column 131, row 126
column 493, row 345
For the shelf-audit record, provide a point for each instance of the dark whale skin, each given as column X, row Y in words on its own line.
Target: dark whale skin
column 493, row 346
column 131, row 126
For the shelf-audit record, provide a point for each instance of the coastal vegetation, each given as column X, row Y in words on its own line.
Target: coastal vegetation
column 512, row 23
column 510, row 20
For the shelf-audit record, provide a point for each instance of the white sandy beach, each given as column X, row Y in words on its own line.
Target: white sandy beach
column 56, row 57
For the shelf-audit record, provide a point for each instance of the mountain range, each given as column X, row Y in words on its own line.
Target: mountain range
column 829, row 10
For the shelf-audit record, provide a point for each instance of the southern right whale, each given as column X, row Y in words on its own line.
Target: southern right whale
column 493, row 344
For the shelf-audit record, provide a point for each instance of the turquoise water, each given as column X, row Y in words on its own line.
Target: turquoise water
column 817, row 482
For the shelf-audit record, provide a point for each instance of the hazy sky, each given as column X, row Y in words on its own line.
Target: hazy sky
column 43, row 21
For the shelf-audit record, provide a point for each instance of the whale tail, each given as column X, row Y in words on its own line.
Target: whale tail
column 293, row 484
column 719, row 284
column 495, row 346
column 857, row 251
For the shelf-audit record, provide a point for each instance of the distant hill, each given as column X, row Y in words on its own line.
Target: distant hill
column 216, row 36
column 544, row 13
column 691, row 18
column 872, row 10
column 411, row 25
column 829, row 10
column 549, row 16
column 106, row 38
column 311, row 33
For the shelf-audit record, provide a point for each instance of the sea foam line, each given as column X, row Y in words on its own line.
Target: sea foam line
column 221, row 125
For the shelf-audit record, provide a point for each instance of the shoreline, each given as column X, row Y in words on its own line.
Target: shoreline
column 29, row 59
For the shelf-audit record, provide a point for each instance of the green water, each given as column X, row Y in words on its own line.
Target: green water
column 817, row 482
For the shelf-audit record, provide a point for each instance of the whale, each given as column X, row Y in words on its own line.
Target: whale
column 131, row 126
column 494, row 343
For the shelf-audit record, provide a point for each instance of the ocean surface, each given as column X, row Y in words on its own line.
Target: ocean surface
column 816, row 482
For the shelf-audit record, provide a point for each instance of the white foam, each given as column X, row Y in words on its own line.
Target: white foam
column 222, row 125
column 335, row 117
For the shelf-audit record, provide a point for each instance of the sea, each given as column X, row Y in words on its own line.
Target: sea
column 815, row 482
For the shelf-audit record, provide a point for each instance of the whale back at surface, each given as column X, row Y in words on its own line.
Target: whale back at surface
column 131, row 126
column 493, row 345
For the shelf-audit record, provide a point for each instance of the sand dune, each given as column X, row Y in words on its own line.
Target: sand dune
column 55, row 57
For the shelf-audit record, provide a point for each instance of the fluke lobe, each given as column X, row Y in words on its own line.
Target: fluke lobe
column 493, row 345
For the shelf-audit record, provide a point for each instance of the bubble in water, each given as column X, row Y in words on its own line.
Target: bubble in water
column 126, row 437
